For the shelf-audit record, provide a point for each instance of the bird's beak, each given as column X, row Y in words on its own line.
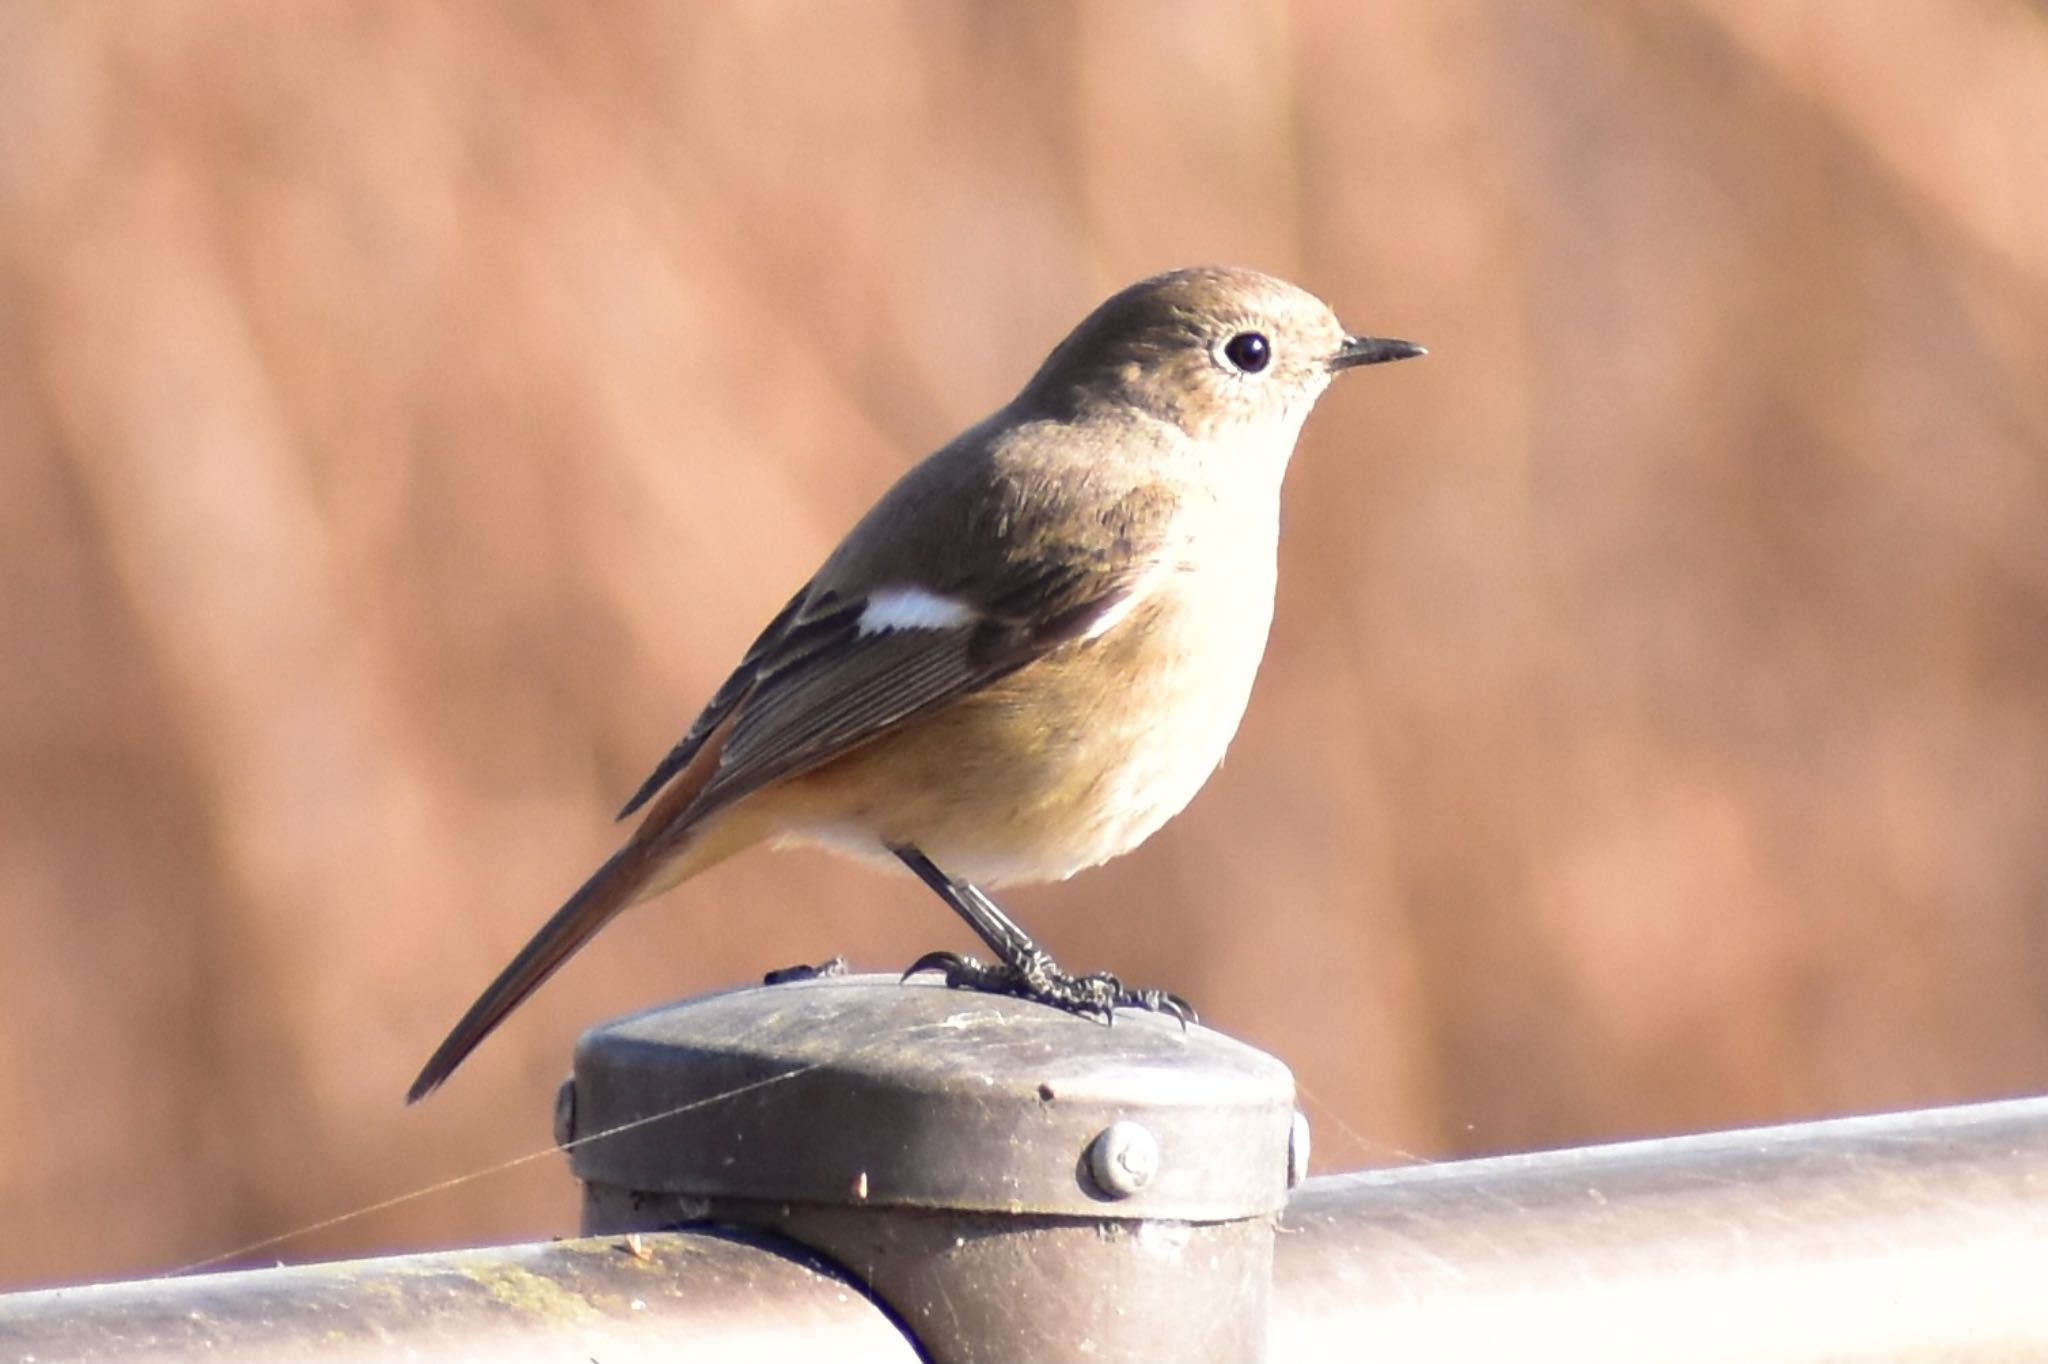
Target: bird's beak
column 1373, row 350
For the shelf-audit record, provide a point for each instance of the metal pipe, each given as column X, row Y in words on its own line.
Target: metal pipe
column 1908, row 1236
column 616, row 1299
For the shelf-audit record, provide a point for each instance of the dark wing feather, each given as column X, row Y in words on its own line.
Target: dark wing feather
column 813, row 687
column 720, row 705
column 850, row 689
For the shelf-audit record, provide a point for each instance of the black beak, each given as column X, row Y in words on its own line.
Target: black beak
column 1373, row 350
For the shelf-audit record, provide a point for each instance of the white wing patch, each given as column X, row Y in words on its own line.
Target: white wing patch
column 1113, row 617
column 912, row 608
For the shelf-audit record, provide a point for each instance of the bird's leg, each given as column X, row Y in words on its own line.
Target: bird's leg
column 1023, row 967
column 1032, row 965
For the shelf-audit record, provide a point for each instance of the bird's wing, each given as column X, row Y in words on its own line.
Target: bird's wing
column 832, row 673
column 721, row 703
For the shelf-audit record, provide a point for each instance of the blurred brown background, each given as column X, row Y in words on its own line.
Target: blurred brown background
column 407, row 413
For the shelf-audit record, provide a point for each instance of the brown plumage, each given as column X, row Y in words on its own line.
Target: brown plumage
column 1028, row 655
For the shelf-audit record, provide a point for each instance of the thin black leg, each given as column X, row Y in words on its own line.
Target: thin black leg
column 1024, row 968
column 1004, row 935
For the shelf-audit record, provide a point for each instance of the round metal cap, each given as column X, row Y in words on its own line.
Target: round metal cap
column 868, row 1090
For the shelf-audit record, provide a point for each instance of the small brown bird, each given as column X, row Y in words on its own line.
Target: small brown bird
column 1029, row 655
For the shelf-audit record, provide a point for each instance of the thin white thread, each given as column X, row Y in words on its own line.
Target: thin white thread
column 457, row 1181
column 1365, row 1146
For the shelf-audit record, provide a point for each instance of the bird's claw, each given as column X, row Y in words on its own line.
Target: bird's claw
column 835, row 966
column 1038, row 977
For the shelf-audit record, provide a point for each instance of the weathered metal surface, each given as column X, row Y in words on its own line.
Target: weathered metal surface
column 988, row 1288
column 866, row 1091
column 1014, row 1182
column 703, row 1297
column 1911, row 1236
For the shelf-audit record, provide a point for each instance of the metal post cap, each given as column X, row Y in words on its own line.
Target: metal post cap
column 865, row 1090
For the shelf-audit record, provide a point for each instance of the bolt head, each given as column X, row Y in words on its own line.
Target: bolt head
column 1297, row 1149
column 1123, row 1159
column 565, row 1112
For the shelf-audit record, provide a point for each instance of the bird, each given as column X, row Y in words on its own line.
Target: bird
column 1025, row 658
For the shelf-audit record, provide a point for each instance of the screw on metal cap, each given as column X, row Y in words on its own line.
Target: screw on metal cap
column 1123, row 1158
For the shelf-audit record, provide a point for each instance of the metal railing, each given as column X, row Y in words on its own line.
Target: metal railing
column 1907, row 1236
column 1147, row 1231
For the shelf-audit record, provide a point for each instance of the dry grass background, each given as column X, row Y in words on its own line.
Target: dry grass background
column 408, row 411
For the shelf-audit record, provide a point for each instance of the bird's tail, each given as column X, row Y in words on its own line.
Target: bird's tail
column 624, row 878
column 674, row 842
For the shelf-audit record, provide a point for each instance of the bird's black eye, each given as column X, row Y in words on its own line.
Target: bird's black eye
column 1249, row 351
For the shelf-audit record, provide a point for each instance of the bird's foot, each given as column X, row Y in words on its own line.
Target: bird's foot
column 1037, row 976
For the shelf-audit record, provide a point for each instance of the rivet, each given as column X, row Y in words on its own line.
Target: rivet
column 1297, row 1149
column 565, row 1112
column 1123, row 1159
